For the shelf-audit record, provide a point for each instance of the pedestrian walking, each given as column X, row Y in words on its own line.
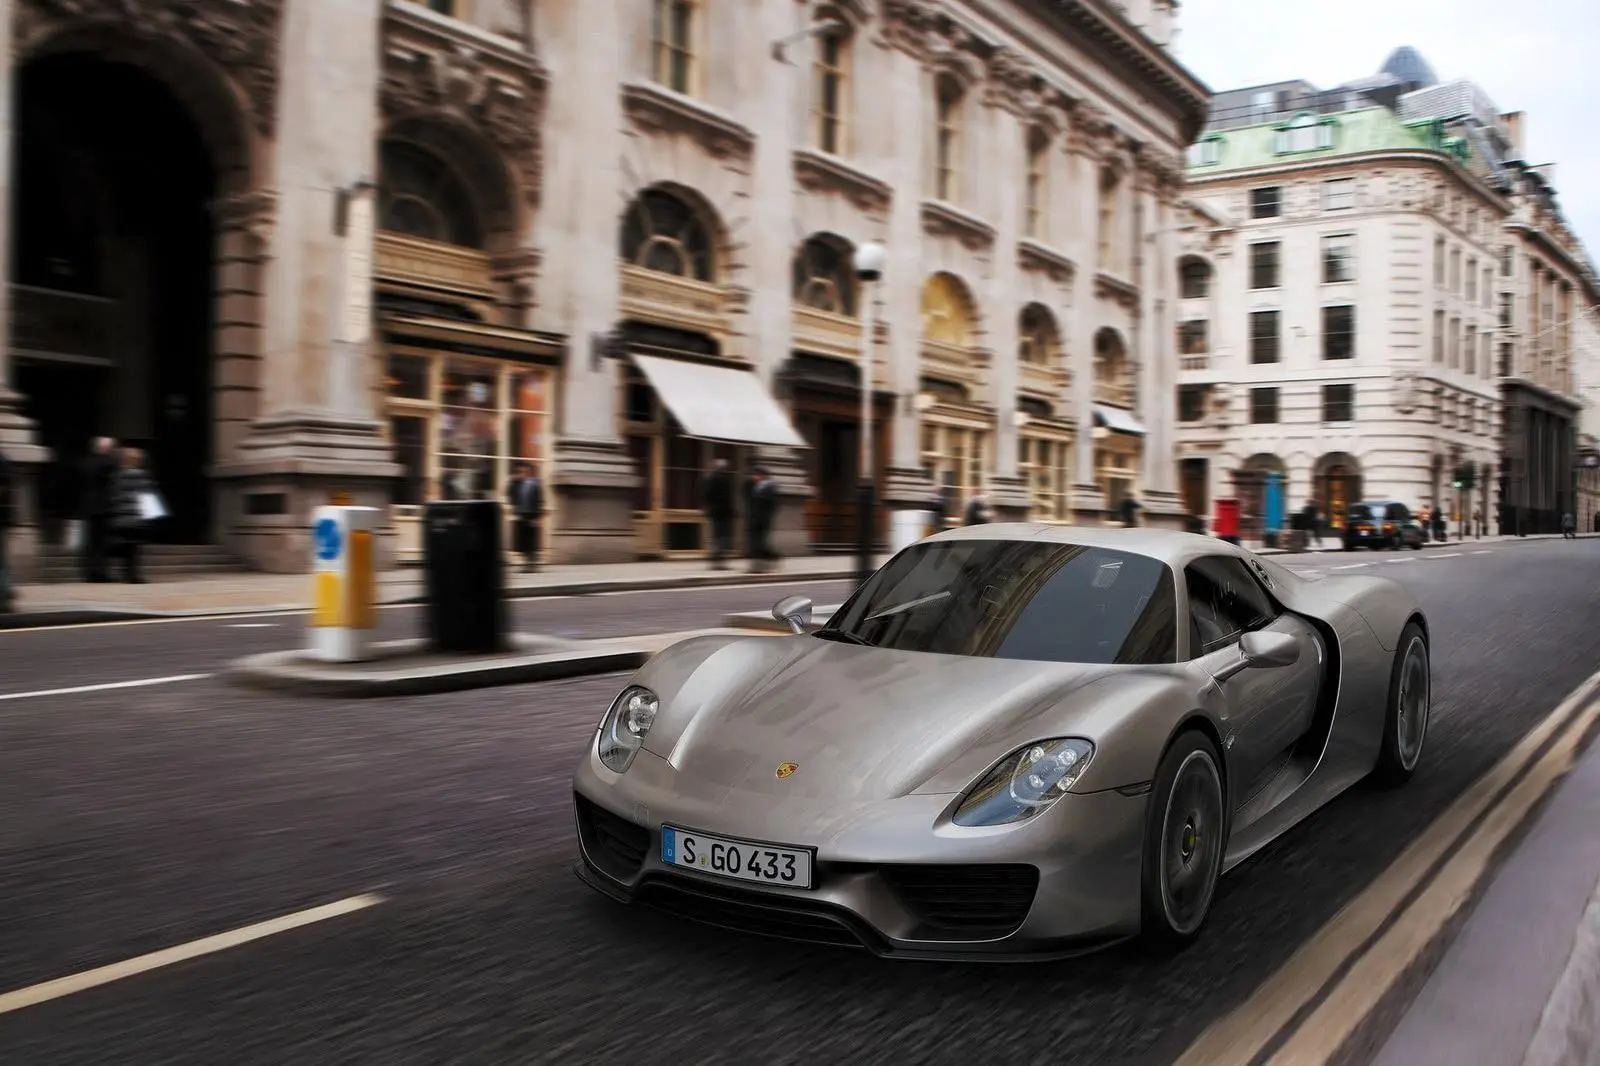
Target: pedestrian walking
column 525, row 495
column 135, row 507
column 1129, row 509
column 1309, row 521
column 717, row 502
column 1569, row 526
column 978, row 511
column 95, row 505
column 9, row 493
column 761, row 508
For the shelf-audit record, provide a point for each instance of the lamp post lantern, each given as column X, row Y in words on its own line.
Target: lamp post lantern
column 868, row 262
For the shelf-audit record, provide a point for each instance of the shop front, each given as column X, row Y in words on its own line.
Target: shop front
column 1044, row 461
column 825, row 400
column 957, row 444
column 1118, row 454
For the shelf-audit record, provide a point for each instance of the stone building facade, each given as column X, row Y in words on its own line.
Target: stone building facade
column 393, row 249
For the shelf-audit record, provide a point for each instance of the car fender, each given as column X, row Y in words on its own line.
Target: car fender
column 1139, row 715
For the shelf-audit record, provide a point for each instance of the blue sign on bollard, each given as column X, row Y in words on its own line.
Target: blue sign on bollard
column 326, row 535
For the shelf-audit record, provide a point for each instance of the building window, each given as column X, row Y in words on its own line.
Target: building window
column 1264, row 265
column 1339, row 195
column 1438, row 262
column 1037, row 341
column 1338, row 403
column 1306, row 133
column 1110, row 190
column 1194, row 279
column 664, row 234
column 1483, row 352
column 443, row 7
column 1471, row 280
column 1045, row 466
column 1454, row 338
column 832, row 66
column 1455, row 270
column 674, row 44
column 947, row 148
column 1262, row 104
column 1264, row 336
column 1506, row 359
column 1438, row 337
column 1338, row 258
column 824, row 278
column 1194, row 337
column 1469, row 351
column 1508, row 261
column 421, row 195
column 1037, row 188
column 1507, row 305
column 1264, row 405
column 1339, row 332
column 1206, row 153
column 1266, row 202
column 1191, row 403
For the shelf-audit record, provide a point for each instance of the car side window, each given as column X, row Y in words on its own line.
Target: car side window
column 1224, row 601
column 1398, row 512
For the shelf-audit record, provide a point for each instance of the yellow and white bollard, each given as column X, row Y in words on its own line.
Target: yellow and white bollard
column 344, row 579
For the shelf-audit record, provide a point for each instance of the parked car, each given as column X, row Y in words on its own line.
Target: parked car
column 1382, row 524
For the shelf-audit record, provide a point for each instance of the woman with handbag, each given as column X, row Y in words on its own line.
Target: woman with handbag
column 135, row 504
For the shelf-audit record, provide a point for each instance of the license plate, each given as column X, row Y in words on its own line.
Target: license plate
column 741, row 860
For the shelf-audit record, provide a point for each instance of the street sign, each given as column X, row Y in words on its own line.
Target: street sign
column 328, row 539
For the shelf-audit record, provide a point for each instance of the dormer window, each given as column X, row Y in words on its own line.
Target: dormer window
column 1206, row 153
column 1304, row 133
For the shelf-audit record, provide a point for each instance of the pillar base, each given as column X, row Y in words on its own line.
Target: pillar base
column 288, row 466
column 594, row 482
column 1164, row 510
column 1088, row 505
column 908, row 489
column 1009, row 498
column 789, row 534
column 21, row 446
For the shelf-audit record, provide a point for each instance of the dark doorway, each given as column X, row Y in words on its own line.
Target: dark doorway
column 830, row 423
column 112, row 200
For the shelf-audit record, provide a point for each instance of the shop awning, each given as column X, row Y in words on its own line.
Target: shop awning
column 1117, row 420
column 718, row 403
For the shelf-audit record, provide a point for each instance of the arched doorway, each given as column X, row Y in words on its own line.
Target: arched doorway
column 957, row 431
column 1044, row 442
column 1336, row 481
column 112, row 312
column 1250, row 486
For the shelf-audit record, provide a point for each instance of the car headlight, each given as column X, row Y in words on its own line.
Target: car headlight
column 623, row 729
column 1025, row 782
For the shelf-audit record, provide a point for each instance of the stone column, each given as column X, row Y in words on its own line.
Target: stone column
column 586, row 192
column 770, row 235
column 317, row 435
column 907, row 107
column 1007, row 494
column 1156, row 354
column 1083, row 194
column 17, row 437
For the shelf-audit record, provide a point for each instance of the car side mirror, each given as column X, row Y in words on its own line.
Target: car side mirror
column 794, row 610
column 1262, row 650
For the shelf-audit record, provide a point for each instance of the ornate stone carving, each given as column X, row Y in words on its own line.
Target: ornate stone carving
column 1405, row 391
column 1042, row 259
column 500, row 95
column 516, row 273
column 251, row 213
column 1160, row 172
column 820, row 172
column 1013, row 83
column 944, row 220
column 655, row 109
column 907, row 25
column 241, row 38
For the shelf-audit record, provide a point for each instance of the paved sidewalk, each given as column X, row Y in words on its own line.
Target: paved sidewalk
column 1520, row 986
column 246, row 592
column 1332, row 544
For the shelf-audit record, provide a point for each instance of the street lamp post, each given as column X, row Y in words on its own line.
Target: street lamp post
column 869, row 259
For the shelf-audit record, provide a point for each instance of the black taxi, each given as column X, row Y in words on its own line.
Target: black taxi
column 1381, row 524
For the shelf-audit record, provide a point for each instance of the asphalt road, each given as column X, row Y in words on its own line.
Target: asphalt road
column 143, row 818
column 102, row 653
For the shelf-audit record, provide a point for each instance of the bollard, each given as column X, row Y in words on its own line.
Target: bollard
column 344, row 579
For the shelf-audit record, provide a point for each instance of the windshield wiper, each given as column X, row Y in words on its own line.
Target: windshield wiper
column 909, row 605
column 843, row 637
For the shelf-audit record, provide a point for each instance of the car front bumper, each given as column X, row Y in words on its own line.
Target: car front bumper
column 895, row 877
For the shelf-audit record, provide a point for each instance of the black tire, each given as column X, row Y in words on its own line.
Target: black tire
column 1406, row 719
column 1179, row 871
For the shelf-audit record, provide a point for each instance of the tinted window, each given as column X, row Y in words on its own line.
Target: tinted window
column 1398, row 513
column 1360, row 513
column 1224, row 601
column 1018, row 600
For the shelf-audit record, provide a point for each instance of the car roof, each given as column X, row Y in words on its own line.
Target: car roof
column 1170, row 546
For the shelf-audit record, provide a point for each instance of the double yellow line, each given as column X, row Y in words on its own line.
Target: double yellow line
column 1318, row 1001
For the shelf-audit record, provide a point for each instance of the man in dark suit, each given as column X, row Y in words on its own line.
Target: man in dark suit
column 760, row 512
column 98, row 501
column 525, row 495
column 718, row 505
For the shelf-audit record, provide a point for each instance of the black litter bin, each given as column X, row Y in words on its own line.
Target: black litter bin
column 464, row 576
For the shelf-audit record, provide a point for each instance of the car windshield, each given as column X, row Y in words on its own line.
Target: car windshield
column 1016, row 599
column 1360, row 513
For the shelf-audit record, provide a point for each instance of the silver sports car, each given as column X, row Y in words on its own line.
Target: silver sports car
column 1012, row 740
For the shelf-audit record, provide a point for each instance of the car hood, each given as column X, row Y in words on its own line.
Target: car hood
column 858, row 723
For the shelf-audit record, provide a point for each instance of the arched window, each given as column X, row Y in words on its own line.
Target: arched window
column 1110, row 357
column 947, row 311
column 830, row 107
column 1036, row 336
column 662, row 233
column 1194, row 279
column 420, row 195
column 824, row 277
column 947, row 144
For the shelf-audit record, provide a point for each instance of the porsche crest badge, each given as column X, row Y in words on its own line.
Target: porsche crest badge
column 786, row 769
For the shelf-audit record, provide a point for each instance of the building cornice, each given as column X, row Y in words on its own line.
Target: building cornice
column 1576, row 268
column 1365, row 160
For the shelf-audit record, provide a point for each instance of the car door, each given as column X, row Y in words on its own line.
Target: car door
column 1268, row 708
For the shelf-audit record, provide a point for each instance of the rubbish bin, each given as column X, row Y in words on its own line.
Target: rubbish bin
column 464, row 576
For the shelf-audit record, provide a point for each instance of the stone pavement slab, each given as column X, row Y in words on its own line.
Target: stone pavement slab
column 1519, row 985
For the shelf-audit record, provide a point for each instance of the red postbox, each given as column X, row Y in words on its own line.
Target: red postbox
column 1226, row 523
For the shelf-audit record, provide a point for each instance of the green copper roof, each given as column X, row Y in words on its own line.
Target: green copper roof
column 1368, row 129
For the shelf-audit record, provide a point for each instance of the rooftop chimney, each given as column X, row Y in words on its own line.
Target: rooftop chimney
column 1515, row 133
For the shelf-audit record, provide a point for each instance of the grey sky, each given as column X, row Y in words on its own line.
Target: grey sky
column 1535, row 56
